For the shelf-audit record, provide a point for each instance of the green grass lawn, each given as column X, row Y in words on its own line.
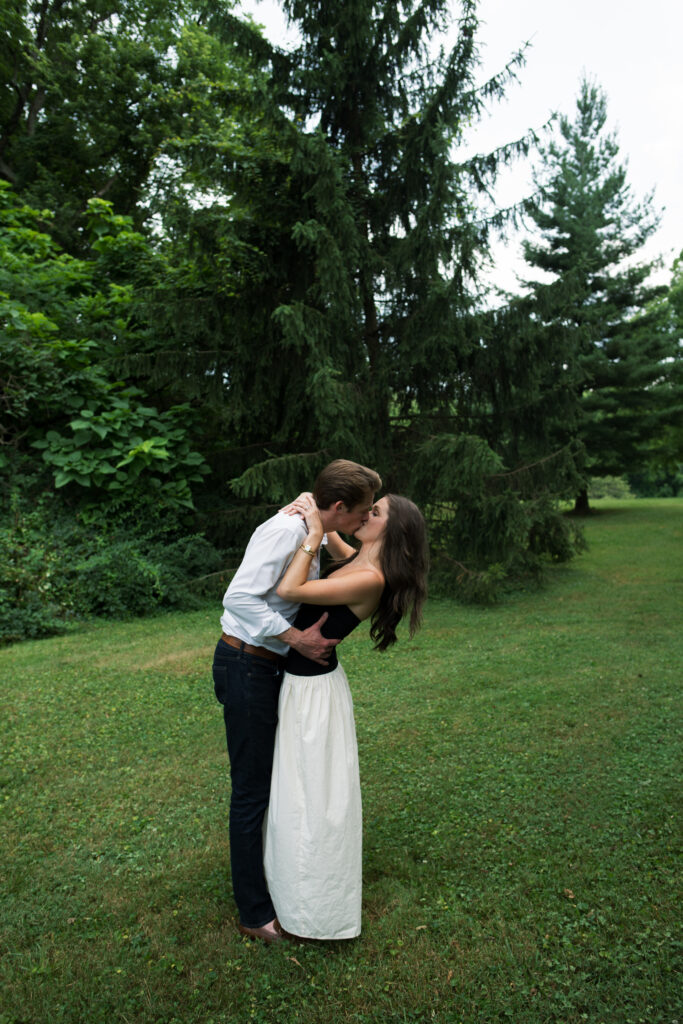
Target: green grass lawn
column 520, row 781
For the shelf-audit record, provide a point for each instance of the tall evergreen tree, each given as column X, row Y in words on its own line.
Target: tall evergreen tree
column 592, row 305
column 391, row 243
column 662, row 469
column 358, row 333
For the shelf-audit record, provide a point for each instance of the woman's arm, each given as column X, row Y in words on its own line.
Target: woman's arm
column 361, row 590
column 363, row 587
column 297, row 570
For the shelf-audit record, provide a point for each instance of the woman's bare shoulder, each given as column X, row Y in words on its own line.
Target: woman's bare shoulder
column 366, row 574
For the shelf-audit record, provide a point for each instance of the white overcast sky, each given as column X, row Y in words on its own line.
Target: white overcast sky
column 630, row 48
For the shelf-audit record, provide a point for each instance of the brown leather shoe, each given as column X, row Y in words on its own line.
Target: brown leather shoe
column 267, row 935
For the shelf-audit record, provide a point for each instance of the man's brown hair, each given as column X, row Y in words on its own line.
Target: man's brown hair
column 345, row 481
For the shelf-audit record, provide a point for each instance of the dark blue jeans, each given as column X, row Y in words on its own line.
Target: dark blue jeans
column 248, row 687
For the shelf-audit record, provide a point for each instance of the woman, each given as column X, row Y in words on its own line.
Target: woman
column 313, row 848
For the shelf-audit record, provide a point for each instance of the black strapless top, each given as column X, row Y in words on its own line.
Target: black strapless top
column 340, row 622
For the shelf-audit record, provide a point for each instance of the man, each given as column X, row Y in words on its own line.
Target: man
column 248, row 665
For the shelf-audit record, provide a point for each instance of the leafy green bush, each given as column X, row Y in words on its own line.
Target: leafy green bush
column 116, row 581
column 128, row 577
column 657, row 482
column 56, row 568
column 29, row 565
column 492, row 530
column 119, row 444
column 609, row 487
column 63, row 322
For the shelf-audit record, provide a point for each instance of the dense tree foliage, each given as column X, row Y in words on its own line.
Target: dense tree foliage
column 96, row 483
column 661, row 473
column 61, row 325
column 593, row 311
column 225, row 263
column 89, row 92
column 355, row 329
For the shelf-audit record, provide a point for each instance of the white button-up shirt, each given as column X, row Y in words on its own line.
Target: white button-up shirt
column 253, row 611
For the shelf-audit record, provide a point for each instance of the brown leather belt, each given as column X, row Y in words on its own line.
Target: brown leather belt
column 260, row 652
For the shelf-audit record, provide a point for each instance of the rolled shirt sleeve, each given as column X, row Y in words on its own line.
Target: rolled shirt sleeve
column 253, row 611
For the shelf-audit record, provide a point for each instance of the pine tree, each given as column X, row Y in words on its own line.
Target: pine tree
column 361, row 330
column 661, row 473
column 592, row 305
column 388, row 116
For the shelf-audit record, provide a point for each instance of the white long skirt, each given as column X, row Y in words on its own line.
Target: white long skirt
column 313, row 843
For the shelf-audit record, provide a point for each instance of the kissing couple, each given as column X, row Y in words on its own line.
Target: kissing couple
column 295, row 807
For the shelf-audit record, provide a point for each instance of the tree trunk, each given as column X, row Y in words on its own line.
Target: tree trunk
column 581, row 506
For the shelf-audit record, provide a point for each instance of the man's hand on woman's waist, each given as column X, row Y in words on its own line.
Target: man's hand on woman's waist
column 310, row 642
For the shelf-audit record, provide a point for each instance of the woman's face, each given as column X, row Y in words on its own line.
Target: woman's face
column 377, row 520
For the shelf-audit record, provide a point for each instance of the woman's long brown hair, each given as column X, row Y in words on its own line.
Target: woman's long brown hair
column 404, row 561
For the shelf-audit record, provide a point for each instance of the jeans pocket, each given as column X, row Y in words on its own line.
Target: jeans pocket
column 220, row 682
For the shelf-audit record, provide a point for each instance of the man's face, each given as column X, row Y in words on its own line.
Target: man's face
column 348, row 520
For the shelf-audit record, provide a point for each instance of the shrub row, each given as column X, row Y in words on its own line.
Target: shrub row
column 58, row 567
